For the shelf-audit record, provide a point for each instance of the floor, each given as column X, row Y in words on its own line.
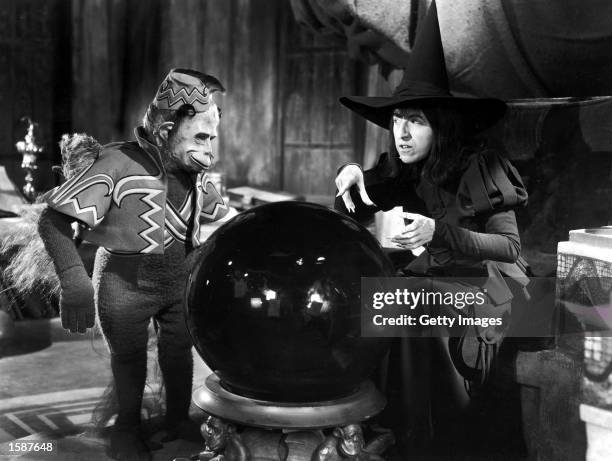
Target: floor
column 50, row 384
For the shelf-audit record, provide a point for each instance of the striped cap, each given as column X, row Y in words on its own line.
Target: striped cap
column 187, row 86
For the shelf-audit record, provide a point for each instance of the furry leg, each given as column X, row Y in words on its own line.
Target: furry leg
column 129, row 373
column 176, row 364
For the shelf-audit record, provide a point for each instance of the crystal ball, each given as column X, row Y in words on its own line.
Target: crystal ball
column 273, row 303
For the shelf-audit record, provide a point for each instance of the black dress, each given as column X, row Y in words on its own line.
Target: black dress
column 476, row 235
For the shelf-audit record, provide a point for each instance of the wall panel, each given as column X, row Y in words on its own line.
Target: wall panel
column 319, row 133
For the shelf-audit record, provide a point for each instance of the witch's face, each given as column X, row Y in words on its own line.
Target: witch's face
column 412, row 133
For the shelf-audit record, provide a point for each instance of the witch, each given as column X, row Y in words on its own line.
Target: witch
column 459, row 199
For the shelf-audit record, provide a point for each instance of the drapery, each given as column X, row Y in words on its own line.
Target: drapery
column 116, row 64
column 504, row 48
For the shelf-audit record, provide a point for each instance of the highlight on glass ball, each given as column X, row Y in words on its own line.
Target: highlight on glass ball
column 273, row 303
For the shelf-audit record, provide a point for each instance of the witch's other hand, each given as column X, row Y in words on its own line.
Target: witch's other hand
column 418, row 233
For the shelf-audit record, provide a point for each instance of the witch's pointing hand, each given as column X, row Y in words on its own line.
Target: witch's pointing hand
column 349, row 176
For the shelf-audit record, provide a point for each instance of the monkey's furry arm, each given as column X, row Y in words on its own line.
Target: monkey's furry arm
column 76, row 290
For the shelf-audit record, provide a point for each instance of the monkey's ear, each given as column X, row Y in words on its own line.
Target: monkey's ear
column 338, row 433
column 165, row 129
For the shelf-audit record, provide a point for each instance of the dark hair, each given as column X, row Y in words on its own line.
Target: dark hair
column 453, row 142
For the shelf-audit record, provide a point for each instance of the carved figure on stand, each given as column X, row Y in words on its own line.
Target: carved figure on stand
column 348, row 443
column 223, row 443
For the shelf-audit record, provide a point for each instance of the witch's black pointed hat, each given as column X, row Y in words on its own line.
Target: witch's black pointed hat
column 425, row 81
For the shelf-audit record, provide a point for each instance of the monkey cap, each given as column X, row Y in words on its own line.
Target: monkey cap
column 187, row 86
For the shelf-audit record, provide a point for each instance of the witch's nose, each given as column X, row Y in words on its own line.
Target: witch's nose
column 406, row 131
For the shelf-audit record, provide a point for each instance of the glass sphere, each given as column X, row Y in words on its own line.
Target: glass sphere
column 273, row 303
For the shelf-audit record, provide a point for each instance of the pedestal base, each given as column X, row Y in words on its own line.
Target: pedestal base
column 215, row 400
column 242, row 429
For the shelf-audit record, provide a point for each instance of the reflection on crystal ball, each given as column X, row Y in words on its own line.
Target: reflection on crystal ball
column 273, row 303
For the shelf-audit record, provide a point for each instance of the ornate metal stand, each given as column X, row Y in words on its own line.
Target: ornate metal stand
column 241, row 429
column 29, row 150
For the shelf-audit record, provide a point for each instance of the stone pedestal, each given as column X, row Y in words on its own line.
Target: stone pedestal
column 599, row 432
column 240, row 428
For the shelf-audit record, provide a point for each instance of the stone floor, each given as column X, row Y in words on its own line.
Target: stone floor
column 50, row 383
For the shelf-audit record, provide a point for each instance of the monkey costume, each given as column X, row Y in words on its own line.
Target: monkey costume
column 146, row 221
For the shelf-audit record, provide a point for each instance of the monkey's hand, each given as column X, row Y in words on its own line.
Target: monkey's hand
column 77, row 309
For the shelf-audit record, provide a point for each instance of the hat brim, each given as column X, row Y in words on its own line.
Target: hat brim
column 482, row 112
